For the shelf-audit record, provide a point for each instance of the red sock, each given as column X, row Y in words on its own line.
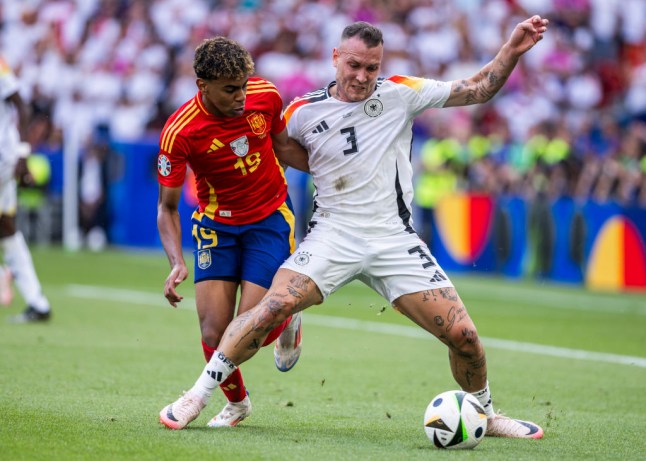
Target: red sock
column 233, row 387
column 208, row 351
column 275, row 333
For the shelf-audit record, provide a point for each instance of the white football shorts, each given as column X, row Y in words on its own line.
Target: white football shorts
column 392, row 265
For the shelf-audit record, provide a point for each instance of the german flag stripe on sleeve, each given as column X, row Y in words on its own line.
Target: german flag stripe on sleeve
column 412, row 82
column 4, row 67
column 169, row 135
column 292, row 107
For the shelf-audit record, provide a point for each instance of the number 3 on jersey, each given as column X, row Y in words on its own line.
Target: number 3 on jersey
column 351, row 139
column 248, row 164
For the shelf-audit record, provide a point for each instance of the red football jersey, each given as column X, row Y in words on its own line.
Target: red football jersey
column 238, row 178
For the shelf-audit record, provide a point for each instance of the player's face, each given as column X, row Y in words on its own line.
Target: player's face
column 357, row 69
column 224, row 97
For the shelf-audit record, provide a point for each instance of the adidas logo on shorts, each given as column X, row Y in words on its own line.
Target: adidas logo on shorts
column 438, row 277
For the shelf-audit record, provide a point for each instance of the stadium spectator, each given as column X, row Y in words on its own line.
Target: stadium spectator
column 357, row 131
column 14, row 151
column 243, row 227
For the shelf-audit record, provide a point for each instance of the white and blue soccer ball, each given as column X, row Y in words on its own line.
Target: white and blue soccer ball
column 455, row 420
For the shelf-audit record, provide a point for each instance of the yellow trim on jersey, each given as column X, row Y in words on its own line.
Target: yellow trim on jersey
column 197, row 215
column 166, row 133
column 260, row 82
column 290, row 219
column 266, row 90
column 261, row 86
column 280, row 167
column 189, row 112
column 213, row 205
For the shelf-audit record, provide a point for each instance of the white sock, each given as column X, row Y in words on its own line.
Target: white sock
column 484, row 397
column 217, row 370
column 18, row 259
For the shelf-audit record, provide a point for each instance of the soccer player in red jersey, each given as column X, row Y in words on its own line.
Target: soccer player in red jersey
column 232, row 136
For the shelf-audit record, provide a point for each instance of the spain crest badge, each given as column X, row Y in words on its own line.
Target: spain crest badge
column 204, row 259
column 257, row 123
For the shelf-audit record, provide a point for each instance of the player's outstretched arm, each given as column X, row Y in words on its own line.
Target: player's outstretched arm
column 170, row 234
column 289, row 152
column 485, row 84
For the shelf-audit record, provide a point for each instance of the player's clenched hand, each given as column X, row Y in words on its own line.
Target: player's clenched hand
column 177, row 275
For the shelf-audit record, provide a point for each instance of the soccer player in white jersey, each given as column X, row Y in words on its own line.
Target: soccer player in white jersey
column 357, row 131
column 13, row 153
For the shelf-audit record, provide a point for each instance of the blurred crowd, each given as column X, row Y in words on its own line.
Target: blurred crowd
column 571, row 120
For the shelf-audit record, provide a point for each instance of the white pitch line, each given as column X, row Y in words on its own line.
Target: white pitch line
column 416, row 332
column 554, row 299
column 157, row 300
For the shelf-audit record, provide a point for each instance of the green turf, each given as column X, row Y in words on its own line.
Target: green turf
column 89, row 385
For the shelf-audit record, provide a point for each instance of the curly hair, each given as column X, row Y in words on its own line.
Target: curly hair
column 220, row 57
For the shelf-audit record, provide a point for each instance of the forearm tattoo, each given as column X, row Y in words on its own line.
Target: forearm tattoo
column 487, row 82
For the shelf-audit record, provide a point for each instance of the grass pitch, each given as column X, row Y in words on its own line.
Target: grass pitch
column 89, row 385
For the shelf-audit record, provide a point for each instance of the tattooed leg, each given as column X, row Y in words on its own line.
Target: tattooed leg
column 442, row 313
column 290, row 292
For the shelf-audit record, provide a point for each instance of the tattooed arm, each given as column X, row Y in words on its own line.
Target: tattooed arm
column 488, row 81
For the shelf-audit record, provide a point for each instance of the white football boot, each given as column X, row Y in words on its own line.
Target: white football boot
column 178, row 414
column 503, row 426
column 287, row 349
column 232, row 414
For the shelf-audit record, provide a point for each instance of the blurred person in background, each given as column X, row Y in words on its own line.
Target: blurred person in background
column 357, row 130
column 93, row 188
column 14, row 151
column 229, row 134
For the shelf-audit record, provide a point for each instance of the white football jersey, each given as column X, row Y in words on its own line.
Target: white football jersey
column 9, row 136
column 360, row 152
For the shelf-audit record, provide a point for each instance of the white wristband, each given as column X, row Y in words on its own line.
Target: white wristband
column 24, row 149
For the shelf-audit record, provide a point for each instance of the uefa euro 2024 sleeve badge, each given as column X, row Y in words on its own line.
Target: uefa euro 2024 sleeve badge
column 163, row 165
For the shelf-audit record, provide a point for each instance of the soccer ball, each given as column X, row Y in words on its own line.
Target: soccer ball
column 455, row 419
